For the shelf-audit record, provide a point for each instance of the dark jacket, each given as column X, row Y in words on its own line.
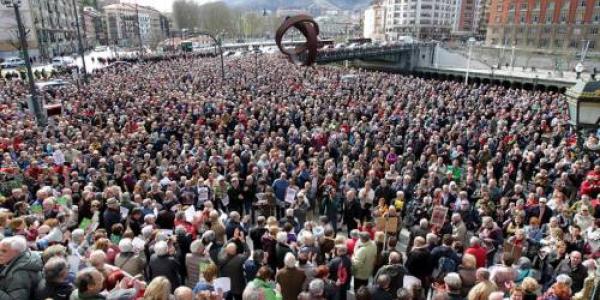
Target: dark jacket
column 21, row 276
column 293, row 281
column 419, row 263
column 233, row 267
column 280, row 251
column 577, row 274
column 396, row 273
column 55, row 291
column 110, row 217
column 166, row 266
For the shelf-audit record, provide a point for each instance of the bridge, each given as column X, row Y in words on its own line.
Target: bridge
column 392, row 52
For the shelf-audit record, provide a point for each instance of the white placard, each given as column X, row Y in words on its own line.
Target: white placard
column 225, row 200
column 290, row 195
column 222, row 284
column 202, row 194
column 190, row 213
column 124, row 212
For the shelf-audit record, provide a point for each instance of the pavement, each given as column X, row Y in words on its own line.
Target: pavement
column 90, row 64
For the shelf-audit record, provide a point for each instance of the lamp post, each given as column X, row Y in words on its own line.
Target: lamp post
column 470, row 42
column 218, row 43
column 512, row 58
column 81, row 52
column 35, row 101
column 584, row 107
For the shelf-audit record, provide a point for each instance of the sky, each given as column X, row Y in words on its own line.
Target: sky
column 164, row 5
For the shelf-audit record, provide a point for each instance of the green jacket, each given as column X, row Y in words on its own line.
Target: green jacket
column 363, row 260
column 268, row 289
column 21, row 276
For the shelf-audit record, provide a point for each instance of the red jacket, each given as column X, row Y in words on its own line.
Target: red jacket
column 480, row 255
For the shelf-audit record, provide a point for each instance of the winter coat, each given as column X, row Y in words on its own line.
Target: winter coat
column 21, row 276
column 363, row 260
column 166, row 266
column 233, row 267
column 56, row 291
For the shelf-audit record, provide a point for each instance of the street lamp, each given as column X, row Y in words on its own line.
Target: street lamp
column 218, row 43
column 470, row 42
column 81, row 52
column 35, row 101
column 584, row 107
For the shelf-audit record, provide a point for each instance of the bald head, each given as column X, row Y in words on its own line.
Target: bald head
column 183, row 293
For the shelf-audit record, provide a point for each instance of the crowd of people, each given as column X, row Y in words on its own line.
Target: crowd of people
column 161, row 181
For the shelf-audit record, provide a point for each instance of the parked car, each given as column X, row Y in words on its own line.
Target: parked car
column 12, row 62
column 64, row 62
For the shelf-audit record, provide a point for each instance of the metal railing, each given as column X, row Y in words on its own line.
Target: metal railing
column 332, row 55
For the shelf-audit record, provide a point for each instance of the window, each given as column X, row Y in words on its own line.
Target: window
column 549, row 17
column 543, row 43
column 522, row 18
column 562, row 30
column 594, row 30
column 535, row 19
column 592, row 45
column 572, row 44
column 558, row 43
column 582, row 3
column 523, row 6
column 579, row 17
column 563, row 17
column 596, row 17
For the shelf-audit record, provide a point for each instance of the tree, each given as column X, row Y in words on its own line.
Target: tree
column 186, row 13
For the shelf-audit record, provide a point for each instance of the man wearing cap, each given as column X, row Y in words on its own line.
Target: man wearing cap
column 112, row 214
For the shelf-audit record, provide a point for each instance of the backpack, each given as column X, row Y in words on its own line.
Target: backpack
column 445, row 265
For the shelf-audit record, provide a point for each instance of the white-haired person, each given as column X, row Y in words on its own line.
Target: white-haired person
column 231, row 264
column 290, row 279
column 21, row 270
column 162, row 263
column 129, row 261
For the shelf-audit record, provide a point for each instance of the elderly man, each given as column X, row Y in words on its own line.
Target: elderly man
column 54, row 285
column 231, row 264
column 290, row 278
column 21, row 269
column 363, row 260
column 163, row 264
column 573, row 267
column 89, row 283
column 183, row 293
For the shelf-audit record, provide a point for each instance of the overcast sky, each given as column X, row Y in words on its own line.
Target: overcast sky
column 163, row 5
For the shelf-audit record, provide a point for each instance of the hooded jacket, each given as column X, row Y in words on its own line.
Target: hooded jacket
column 21, row 276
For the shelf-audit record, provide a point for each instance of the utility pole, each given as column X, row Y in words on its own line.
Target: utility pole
column 81, row 51
column 35, row 103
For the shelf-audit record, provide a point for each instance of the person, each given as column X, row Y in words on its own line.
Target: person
column 484, row 287
column 231, row 264
column 282, row 248
column 163, row 264
column 316, row 288
column 340, row 269
column 573, row 267
column 22, row 269
column 127, row 260
column 88, row 283
column 183, row 293
column 54, row 285
column 196, row 262
column 206, row 282
column 290, row 278
column 419, row 262
column 468, row 273
column 395, row 270
column 252, row 265
column 363, row 260
column 261, row 281
column 382, row 290
column 158, row 289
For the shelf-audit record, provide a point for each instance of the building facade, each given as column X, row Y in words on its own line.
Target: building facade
column 338, row 26
column 466, row 21
column 127, row 24
column 374, row 21
column 544, row 24
column 422, row 19
column 95, row 34
column 50, row 28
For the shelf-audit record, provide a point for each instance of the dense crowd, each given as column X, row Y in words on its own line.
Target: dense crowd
column 160, row 181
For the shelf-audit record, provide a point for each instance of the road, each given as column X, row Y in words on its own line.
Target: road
column 90, row 64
